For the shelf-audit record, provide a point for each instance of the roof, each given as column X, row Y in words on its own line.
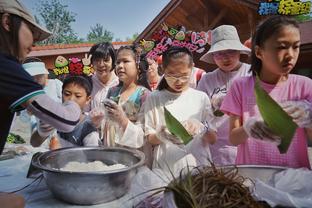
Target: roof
column 61, row 49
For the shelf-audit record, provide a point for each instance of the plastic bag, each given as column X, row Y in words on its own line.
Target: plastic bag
column 290, row 188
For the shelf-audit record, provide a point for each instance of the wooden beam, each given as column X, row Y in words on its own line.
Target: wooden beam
column 218, row 18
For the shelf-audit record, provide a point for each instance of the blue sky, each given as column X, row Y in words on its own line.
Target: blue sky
column 121, row 17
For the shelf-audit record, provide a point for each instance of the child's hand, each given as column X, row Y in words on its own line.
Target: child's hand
column 257, row 129
column 300, row 111
column 163, row 134
column 116, row 113
column 54, row 143
column 96, row 116
column 193, row 126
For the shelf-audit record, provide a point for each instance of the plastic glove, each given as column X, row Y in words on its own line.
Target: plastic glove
column 163, row 134
column 257, row 129
column 300, row 111
column 193, row 126
column 216, row 102
column 114, row 112
column 96, row 115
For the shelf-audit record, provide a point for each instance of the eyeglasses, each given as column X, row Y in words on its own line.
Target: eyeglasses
column 226, row 53
column 173, row 79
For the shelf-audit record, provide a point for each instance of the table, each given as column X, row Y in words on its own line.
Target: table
column 13, row 177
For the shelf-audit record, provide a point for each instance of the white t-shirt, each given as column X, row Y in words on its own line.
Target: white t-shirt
column 216, row 84
column 190, row 104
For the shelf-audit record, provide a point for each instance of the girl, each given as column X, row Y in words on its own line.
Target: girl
column 153, row 77
column 103, row 60
column 122, row 119
column 275, row 50
column 189, row 106
column 77, row 89
column 225, row 52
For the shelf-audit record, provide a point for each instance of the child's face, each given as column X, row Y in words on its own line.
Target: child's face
column 177, row 74
column 152, row 68
column 102, row 67
column 280, row 52
column 126, row 68
column 226, row 60
column 76, row 93
column 41, row 79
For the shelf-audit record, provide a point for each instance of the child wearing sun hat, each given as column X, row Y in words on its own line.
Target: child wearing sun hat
column 225, row 51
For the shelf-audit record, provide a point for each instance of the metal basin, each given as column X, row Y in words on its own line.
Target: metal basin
column 87, row 188
column 262, row 172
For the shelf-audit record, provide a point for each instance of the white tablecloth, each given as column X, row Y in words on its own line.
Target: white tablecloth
column 13, row 177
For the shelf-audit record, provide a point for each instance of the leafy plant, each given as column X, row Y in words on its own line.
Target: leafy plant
column 275, row 117
column 176, row 128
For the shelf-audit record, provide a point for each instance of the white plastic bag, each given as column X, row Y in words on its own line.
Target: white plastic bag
column 290, row 188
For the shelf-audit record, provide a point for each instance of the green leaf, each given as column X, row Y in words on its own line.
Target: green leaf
column 176, row 128
column 275, row 117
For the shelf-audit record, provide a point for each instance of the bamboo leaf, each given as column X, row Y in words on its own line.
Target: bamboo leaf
column 275, row 117
column 176, row 128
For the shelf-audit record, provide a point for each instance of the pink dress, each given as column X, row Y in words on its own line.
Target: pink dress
column 241, row 101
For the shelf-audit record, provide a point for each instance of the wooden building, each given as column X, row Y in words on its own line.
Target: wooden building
column 203, row 15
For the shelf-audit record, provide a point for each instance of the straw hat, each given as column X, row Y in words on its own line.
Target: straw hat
column 224, row 37
column 16, row 8
column 35, row 68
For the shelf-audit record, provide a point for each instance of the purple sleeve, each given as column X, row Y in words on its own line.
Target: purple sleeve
column 232, row 103
column 62, row 116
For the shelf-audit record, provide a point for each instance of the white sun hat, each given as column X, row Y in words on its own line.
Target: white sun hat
column 224, row 37
column 35, row 68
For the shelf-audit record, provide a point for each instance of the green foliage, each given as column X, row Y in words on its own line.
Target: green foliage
column 15, row 139
column 275, row 117
column 98, row 34
column 176, row 128
column 133, row 38
column 57, row 18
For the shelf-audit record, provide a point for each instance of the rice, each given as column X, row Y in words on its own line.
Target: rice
column 96, row 166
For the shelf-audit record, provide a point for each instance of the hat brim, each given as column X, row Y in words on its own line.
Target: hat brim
column 224, row 45
column 39, row 32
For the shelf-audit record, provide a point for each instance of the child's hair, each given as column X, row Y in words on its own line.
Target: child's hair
column 103, row 51
column 9, row 40
column 141, row 64
column 31, row 59
column 82, row 81
column 264, row 31
column 173, row 52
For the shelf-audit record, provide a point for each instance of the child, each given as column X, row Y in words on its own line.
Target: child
column 275, row 50
column 122, row 125
column 153, row 76
column 78, row 89
column 225, row 52
column 103, row 59
column 189, row 106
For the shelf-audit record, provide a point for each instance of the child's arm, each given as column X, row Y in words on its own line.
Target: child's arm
column 237, row 132
column 152, row 138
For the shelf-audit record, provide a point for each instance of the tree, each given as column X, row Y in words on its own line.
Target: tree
column 98, row 34
column 134, row 36
column 57, row 19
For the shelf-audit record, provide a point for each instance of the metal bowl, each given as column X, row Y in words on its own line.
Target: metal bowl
column 253, row 172
column 87, row 188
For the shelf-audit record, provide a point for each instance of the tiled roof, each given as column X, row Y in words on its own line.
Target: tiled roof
column 62, row 49
column 66, row 46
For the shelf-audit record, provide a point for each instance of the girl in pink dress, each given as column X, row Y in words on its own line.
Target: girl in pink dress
column 275, row 50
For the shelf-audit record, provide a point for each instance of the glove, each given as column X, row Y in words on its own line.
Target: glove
column 193, row 126
column 300, row 111
column 257, row 129
column 96, row 115
column 163, row 134
column 114, row 112
column 216, row 102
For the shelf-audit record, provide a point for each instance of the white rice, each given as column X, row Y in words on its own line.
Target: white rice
column 95, row 166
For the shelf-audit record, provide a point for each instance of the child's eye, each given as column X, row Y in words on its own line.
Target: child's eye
column 281, row 47
column 296, row 46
